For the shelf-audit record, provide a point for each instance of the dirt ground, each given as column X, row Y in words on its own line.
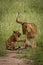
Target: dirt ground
column 11, row 59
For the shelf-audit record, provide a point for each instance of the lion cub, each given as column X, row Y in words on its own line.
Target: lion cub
column 30, row 30
column 10, row 43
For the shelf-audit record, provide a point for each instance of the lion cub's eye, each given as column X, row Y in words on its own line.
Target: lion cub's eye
column 19, row 34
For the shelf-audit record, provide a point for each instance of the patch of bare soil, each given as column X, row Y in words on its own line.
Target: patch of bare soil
column 10, row 59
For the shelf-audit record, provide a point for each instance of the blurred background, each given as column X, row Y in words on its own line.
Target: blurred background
column 31, row 11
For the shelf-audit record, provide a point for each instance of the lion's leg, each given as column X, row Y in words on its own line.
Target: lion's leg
column 8, row 46
column 34, row 43
column 27, row 42
column 13, row 45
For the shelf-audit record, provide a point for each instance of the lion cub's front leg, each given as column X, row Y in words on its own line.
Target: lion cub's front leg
column 34, row 43
column 27, row 42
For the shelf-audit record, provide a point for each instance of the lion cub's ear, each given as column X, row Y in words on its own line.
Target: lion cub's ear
column 13, row 31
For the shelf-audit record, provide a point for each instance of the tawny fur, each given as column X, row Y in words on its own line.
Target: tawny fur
column 30, row 30
column 10, row 43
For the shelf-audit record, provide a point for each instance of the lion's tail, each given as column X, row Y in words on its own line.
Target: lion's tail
column 17, row 19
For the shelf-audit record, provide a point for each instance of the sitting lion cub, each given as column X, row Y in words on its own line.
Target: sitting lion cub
column 10, row 43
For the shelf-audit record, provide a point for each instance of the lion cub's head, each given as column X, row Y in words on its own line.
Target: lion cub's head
column 16, row 33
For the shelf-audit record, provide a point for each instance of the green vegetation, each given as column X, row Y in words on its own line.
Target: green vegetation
column 38, row 57
column 2, row 50
column 30, row 11
column 25, row 53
